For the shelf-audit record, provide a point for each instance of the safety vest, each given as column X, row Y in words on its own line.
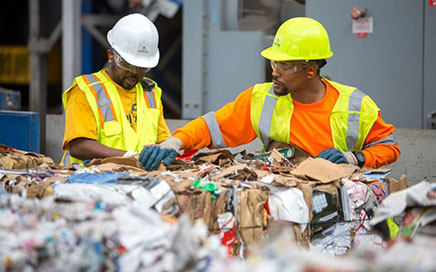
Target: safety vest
column 113, row 128
column 351, row 119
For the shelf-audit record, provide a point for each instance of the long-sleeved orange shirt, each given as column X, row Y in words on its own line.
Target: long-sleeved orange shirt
column 310, row 128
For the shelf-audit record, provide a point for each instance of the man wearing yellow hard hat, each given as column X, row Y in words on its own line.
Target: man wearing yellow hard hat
column 324, row 118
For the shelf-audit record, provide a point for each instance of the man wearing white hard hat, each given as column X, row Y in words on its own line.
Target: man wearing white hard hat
column 117, row 111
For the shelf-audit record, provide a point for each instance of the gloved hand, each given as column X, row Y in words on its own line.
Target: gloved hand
column 337, row 156
column 151, row 156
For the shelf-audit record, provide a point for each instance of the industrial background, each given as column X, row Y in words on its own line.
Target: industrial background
column 210, row 52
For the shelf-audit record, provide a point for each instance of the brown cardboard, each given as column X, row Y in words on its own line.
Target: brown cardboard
column 236, row 172
column 395, row 186
column 128, row 161
column 331, row 188
column 287, row 181
column 299, row 155
column 320, row 170
column 307, row 190
column 251, row 215
column 349, row 169
column 113, row 167
column 214, row 157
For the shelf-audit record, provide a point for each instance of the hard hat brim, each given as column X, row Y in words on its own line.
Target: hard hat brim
column 274, row 54
column 145, row 62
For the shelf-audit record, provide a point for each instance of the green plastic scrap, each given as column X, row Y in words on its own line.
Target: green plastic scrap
column 208, row 187
column 286, row 152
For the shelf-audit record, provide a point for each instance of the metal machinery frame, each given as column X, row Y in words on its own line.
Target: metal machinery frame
column 221, row 48
column 70, row 28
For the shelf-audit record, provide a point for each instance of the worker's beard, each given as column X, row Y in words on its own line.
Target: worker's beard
column 280, row 88
column 129, row 82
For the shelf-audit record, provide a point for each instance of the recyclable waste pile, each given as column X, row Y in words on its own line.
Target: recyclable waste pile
column 278, row 211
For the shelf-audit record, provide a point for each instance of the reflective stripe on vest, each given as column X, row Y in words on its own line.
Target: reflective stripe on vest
column 150, row 98
column 214, row 130
column 266, row 117
column 102, row 98
column 354, row 104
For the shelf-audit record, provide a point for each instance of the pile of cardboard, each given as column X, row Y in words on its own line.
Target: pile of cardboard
column 237, row 196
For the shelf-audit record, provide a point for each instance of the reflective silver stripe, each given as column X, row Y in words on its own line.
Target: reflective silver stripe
column 91, row 79
column 390, row 140
column 266, row 118
column 103, row 102
column 150, row 98
column 354, row 104
column 214, row 130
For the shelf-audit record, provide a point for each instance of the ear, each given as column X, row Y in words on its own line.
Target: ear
column 310, row 73
column 110, row 54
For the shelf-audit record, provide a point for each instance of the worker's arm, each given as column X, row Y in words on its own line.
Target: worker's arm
column 234, row 120
column 87, row 149
column 382, row 148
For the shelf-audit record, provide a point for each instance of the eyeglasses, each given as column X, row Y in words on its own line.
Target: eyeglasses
column 120, row 62
column 286, row 67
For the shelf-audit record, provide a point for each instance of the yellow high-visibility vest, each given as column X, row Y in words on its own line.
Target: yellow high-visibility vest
column 113, row 128
column 351, row 119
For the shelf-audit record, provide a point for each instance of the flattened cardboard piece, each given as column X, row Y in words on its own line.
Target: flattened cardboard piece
column 37, row 159
column 303, row 238
column 181, row 165
column 299, row 155
column 44, row 188
column 349, row 169
column 227, row 171
column 181, row 186
column 191, row 173
column 239, row 172
column 24, row 160
column 260, row 173
column 113, row 167
column 331, row 188
column 7, row 162
column 128, row 161
column 319, row 169
column 307, row 190
column 196, row 203
column 219, row 206
column 395, row 186
column 157, row 173
column 252, row 215
column 279, row 159
column 287, row 181
column 213, row 157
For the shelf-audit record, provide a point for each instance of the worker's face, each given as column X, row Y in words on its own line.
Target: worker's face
column 287, row 75
column 123, row 73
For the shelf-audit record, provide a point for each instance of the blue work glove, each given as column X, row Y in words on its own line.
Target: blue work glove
column 333, row 155
column 151, row 156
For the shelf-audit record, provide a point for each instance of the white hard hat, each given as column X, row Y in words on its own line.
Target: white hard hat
column 136, row 40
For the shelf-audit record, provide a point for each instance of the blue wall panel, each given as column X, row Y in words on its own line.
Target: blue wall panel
column 20, row 130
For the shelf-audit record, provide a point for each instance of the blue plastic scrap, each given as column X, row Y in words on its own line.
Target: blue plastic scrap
column 91, row 178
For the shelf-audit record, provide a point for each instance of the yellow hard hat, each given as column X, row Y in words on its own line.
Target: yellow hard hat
column 299, row 38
